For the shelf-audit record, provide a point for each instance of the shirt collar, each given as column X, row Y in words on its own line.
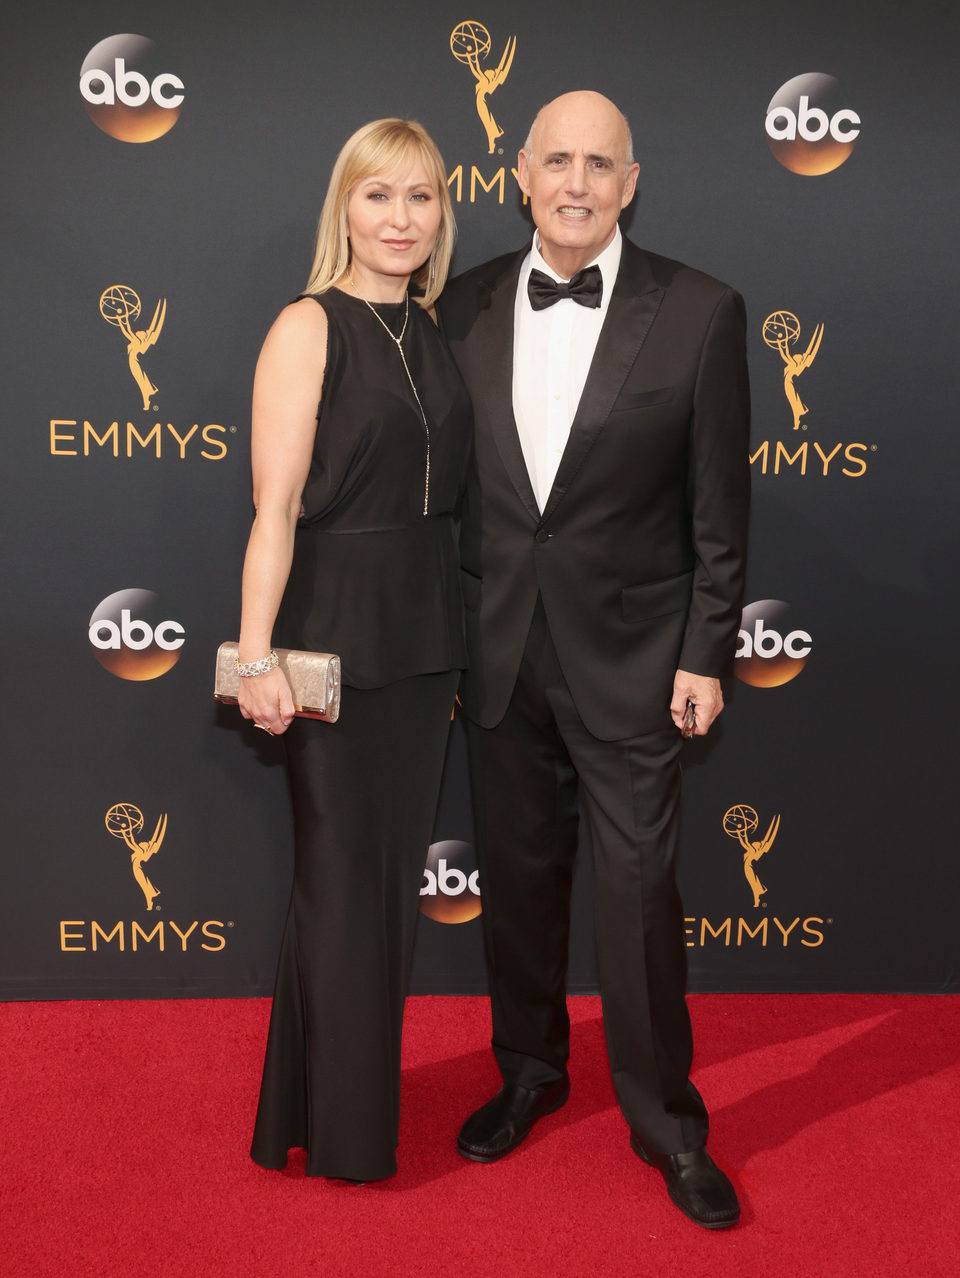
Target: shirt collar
column 608, row 261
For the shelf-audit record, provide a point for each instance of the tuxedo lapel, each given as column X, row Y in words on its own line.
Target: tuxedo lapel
column 633, row 308
column 493, row 338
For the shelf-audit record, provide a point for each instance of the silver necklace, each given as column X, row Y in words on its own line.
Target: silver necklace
column 397, row 342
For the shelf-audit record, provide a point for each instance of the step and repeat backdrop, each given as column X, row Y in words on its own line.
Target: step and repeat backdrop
column 163, row 167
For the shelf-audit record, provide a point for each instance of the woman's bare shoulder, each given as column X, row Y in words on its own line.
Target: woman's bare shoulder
column 300, row 326
column 306, row 314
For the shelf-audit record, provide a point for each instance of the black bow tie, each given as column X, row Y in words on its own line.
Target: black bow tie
column 586, row 288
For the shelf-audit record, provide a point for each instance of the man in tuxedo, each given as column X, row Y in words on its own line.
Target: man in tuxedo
column 603, row 548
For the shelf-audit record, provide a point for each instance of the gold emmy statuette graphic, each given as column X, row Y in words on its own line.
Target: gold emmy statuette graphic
column 780, row 331
column 739, row 822
column 123, row 821
column 469, row 42
column 119, row 304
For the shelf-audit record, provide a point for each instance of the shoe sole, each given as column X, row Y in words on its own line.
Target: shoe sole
column 727, row 1223
column 466, row 1152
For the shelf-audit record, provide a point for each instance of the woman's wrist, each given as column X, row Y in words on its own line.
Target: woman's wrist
column 254, row 642
column 259, row 666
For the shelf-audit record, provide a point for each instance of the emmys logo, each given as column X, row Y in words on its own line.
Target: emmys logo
column 451, row 889
column 770, row 650
column 469, row 42
column 119, row 304
column 88, row 936
column 806, row 139
column 80, row 436
column 124, row 91
column 123, row 821
column 130, row 639
column 781, row 330
column 774, row 458
column 761, row 930
column 739, row 822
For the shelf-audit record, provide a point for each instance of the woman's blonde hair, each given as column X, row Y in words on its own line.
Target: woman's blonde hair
column 382, row 147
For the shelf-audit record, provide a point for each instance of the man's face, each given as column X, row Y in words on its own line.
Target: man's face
column 577, row 178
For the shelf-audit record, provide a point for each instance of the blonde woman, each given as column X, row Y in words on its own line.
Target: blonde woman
column 352, row 551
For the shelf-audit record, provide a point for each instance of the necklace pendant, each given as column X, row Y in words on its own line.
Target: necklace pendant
column 398, row 342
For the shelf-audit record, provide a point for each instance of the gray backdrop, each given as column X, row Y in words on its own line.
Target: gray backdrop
column 209, row 228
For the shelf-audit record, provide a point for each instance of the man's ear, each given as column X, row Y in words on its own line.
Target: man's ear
column 523, row 173
column 631, row 184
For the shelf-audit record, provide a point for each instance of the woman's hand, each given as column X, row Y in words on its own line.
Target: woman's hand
column 267, row 701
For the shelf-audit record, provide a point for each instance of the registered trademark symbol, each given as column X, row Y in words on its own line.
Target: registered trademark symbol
column 873, row 448
column 233, row 430
column 230, row 925
column 159, row 908
column 804, row 426
column 499, row 150
column 829, row 920
column 154, row 408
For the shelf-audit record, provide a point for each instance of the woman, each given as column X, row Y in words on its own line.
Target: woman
column 352, row 551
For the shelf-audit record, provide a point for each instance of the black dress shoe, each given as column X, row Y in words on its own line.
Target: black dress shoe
column 696, row 1185
column 498, row 1127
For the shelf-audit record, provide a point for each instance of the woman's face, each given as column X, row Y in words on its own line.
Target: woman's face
column 392, row 220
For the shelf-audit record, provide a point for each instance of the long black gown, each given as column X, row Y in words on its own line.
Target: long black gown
column 377, row 581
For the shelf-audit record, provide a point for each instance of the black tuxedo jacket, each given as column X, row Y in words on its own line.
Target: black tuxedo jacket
column 639, row 552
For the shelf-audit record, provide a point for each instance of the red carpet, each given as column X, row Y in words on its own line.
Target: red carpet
column 125, row 1129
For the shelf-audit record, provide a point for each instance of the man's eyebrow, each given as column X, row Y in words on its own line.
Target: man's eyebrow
column 593, row 158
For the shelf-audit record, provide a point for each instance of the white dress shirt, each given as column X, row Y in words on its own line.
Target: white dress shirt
column 552, row 353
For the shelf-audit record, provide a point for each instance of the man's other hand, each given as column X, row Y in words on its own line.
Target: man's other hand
column 705, row 694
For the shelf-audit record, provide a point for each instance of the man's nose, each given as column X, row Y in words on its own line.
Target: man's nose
column 577, row 178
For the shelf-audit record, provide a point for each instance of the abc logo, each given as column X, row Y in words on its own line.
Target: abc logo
column 130, row 638
column 771, row 650
column 807, row 130
column 125, row 91
column 451, row 891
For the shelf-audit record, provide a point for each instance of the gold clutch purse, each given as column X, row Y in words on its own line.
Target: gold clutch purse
column 314, row 679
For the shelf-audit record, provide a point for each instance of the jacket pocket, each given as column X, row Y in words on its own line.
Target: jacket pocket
column 656, row 598
column 643, row 399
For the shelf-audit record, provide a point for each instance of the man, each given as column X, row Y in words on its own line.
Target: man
column 602, row 548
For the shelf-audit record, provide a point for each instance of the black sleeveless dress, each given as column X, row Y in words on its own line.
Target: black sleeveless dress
column 375, row 580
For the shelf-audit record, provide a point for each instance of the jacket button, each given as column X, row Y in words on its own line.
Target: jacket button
column 542, row 535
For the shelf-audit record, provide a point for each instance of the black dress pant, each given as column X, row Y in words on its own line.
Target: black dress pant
column 527, row 775
column 364, row 801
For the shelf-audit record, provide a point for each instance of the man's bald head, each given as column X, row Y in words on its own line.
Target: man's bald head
column 576, row 102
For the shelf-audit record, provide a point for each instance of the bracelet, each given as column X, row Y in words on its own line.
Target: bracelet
column 250, row 669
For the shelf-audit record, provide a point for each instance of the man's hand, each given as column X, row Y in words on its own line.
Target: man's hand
column 705, row 694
